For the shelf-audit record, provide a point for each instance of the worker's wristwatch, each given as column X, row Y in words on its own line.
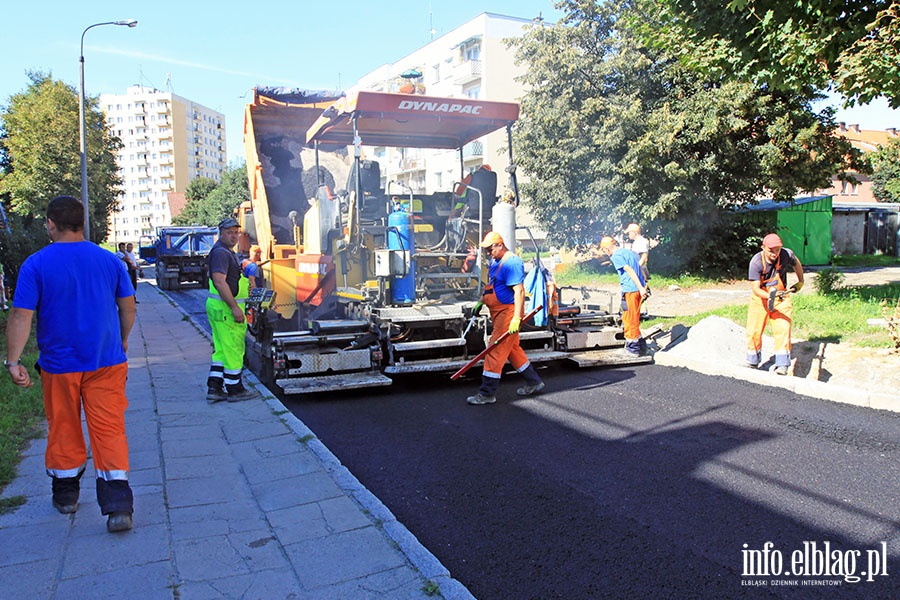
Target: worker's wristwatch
column 14, row 363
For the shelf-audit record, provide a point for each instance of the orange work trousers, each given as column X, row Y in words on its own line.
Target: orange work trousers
column 508, row 349
column 102, row 394
column 631, row 316
column 757, row 317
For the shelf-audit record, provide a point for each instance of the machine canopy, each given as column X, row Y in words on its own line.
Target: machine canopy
column 410, row 121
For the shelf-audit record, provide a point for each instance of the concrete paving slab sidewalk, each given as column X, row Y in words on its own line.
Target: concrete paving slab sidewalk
column 232, row 500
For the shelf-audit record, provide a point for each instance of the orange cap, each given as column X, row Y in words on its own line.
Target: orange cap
column 607, row 242
column 491, row 238
column 633, row 227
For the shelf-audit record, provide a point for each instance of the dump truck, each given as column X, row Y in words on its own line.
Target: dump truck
column 373, row 281
column 179, row 254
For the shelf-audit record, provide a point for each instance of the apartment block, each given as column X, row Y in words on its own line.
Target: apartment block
column 168, row 141
column 471, row 61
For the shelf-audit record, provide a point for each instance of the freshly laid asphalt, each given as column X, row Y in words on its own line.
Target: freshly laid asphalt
column 231, row 500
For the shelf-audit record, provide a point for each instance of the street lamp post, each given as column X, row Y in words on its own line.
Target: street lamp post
column 83, row 129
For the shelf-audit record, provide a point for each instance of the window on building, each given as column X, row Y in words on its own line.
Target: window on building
column 849, row 189
column 436, row 73
column 472, row 51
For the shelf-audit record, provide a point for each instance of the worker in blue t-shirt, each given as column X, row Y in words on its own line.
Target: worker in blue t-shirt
column 251, row 269
column 505, row 298
column 84, row 302
column 634, row 290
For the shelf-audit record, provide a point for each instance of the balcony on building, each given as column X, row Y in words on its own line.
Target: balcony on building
column 165, row 133
column 467, row 72
column 410, row 165
column 473, row 150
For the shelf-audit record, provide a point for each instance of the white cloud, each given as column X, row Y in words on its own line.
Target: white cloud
column 189, row 64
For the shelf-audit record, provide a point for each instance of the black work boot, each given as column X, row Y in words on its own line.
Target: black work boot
column 117, row 501
column 533, row 383
column 215, row 390
column 65, row 493
column 238, row 392
column 486, row 393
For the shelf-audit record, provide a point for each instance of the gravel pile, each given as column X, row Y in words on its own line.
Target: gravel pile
column 717, row 340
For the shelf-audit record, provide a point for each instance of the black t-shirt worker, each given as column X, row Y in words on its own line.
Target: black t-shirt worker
column 771, row 300
column 228, row 288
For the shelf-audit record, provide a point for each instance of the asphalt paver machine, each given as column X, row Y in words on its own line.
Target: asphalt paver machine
column 375, row 280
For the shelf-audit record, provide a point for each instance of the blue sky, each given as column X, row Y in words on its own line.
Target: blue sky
column 214, row 53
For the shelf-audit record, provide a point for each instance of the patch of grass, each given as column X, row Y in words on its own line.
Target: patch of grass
column 431, row 588
column 8, row 505
column 835, row 317
column 20, row 420
column 865, row 260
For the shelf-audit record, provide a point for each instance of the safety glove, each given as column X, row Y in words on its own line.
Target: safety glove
column 514, row 325
column 796, row 287
column 476, row 310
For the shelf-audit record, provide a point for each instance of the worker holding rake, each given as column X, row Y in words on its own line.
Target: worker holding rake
column 505, row 299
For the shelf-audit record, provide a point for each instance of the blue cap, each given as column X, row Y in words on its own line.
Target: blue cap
column 228, row 223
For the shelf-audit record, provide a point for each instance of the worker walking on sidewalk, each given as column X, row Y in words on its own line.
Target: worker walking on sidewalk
column 505, row 299
column 771, row 300
column 84, row 303
column 228, row 289
column 634, row 291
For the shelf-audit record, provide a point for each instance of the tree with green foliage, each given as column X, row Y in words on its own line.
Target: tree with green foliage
column 886, row 172
column 208, row 202
column 40, row 155
column 40, row 159
column 852, row 44
column 612, row 131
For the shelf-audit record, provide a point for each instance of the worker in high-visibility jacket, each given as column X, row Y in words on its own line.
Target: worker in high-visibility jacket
column 228, row 289
column 505, row 298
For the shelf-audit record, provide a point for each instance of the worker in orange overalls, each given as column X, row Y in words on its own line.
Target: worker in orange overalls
column 505, row 299
column 772, row 300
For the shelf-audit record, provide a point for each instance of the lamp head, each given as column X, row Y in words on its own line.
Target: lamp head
column 127, row 22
